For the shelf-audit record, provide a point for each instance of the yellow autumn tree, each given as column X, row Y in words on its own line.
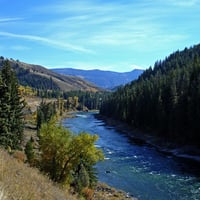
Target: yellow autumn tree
column 68, row 158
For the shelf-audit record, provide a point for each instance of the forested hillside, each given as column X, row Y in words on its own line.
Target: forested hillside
column 38, row 77
column 164, row 100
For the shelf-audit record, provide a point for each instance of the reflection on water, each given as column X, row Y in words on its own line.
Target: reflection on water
column 138, row 168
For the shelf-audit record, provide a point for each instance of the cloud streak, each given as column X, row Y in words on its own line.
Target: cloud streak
column 110, row 23
column 119, row 66
column 184, row 3
column 53, row 43
column 10, row 19
column 20, row 48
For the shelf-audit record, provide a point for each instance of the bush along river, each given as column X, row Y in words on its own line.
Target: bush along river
column 138, row 169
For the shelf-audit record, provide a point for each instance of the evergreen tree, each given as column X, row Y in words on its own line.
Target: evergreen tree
column 11, row 106
column 45, row 112
column 29, row 151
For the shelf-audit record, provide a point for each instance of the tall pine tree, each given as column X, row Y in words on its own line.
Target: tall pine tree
column 11, row 106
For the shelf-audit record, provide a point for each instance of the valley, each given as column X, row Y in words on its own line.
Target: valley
column 161, row 103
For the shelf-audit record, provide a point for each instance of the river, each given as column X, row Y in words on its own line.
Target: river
column 138, row 169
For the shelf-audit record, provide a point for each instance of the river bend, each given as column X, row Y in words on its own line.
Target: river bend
column 137, row 168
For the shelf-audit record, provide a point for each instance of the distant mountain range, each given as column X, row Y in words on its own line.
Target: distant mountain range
column 68, row 79
column 39, row 77
column 103, row 79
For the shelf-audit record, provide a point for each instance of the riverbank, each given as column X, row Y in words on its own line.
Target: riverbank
column 138, row 169
column 105, row 192
column 186, row 152
column 101, row 191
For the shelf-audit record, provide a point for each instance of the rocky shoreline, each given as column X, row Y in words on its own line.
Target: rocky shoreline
column 105, row 192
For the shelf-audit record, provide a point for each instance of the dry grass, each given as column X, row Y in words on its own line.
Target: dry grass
column 20, row 182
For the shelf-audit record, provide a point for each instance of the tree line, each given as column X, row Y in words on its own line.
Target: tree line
column 79, row 100
column 165, row 99
column 89, row 100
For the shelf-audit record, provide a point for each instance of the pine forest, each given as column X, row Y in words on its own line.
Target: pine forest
column 164, row 100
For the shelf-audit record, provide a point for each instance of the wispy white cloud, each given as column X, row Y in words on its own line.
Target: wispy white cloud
column 133, row 66
column 110, row 23
column 77, row 7
column 184, row 3
column 119, row 66
column 20, row 48
column 53, row 43
column 94, row 29
column 10, row 19
column 83, row 65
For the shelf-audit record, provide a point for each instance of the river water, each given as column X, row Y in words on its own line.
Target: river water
column 138, row 169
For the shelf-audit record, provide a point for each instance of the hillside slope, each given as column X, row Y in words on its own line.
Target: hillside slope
column 164, row 100
column 18, row 181
column 39, row 77
column 103, row 79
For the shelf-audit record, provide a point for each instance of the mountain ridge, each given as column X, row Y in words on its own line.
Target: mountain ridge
column 104, row 79
column 39, row 77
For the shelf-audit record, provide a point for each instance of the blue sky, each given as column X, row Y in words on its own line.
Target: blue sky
column 117, row 35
